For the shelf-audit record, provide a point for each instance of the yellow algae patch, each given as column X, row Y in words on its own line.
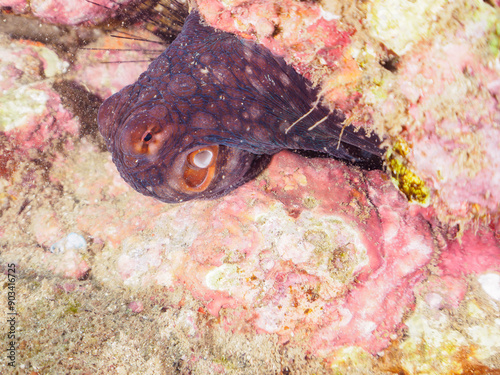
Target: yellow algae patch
column 405, row 179
column 352, row 357
column 431, row 344
column 440, row 342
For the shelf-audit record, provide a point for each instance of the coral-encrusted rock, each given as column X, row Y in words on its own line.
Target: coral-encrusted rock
column 454, row 132
column 314, row 260
column 112, row 63
column 314, row 248
column 31, row 113
column 17, row 6
column 433, row 86
column 66, row 12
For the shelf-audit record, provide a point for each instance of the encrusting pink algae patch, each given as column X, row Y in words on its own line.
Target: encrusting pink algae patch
column 293, row 267
column 313, row 267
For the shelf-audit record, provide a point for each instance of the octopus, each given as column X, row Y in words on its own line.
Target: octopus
column 210, row 112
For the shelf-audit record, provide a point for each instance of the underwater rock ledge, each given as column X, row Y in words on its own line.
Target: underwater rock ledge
column 314, row 267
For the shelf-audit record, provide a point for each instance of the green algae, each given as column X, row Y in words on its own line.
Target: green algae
column 494, row 41
column 73, row 307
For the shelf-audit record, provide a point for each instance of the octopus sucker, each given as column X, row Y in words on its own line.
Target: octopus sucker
column 208, row 114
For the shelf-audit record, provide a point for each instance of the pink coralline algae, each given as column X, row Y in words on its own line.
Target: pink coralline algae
column 315, row 249
column 136, row 306
column 37, row 130
column 456, row 148
column 475, row 253
column 111, row 63
column 32, row 114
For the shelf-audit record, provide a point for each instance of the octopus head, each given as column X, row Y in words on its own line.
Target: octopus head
column 169, row 160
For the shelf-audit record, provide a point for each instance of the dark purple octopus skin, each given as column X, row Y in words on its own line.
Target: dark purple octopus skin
column 227, row 100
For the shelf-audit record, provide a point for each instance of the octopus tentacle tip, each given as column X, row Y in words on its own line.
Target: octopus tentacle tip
column 208, row 114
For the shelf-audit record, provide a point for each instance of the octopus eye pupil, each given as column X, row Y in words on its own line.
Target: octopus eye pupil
column 148, row 137
column 203, row 158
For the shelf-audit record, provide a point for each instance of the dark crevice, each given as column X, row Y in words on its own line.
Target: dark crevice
column 390, row 62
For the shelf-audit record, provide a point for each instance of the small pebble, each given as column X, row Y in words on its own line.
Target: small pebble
column 72, row 241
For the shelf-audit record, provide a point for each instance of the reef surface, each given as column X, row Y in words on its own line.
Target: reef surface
column 315, row 266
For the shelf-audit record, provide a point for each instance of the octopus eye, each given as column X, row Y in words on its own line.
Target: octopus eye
column 199, row 170
column 144, row 138
column 149, row 143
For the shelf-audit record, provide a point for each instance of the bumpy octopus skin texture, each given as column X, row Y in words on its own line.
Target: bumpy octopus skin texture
column 209, row 113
